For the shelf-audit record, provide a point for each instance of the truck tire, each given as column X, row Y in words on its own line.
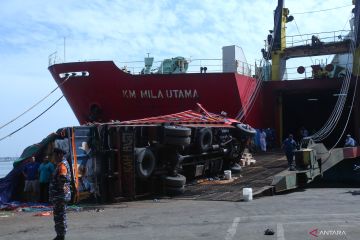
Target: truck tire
column 145, row 162
column 177, row 141
column 175, row 181
column 236, row 168
column 204, row 139
column 174, row 191
column 245, row 128
column 177, row 131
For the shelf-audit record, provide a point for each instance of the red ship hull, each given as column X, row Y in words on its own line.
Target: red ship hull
column 282, row 105
column 123, row 96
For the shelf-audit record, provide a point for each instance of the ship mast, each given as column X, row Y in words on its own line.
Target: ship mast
column 280, row 53
column 279, row 41
column 356, row 56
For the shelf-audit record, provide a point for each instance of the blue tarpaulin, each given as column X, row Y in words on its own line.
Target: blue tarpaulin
column 10, row 181
column 35, row 148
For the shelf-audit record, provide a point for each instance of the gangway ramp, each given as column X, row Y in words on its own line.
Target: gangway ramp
column 257, row 176
column 311, row 162
column 270, row 174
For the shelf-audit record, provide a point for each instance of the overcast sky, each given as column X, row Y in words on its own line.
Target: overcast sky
column 124, row 30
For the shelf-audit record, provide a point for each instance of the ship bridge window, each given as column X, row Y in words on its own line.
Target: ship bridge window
column 74, row 74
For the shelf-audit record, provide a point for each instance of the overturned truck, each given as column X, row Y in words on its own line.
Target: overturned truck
column 125, row 160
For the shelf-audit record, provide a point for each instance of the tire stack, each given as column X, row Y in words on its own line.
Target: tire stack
column 174, row 185
column 177, row 135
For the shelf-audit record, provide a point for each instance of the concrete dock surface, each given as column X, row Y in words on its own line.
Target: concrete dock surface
column 314, row 213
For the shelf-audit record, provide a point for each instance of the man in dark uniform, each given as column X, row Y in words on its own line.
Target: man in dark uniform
column 59, row 192
column 289, row 146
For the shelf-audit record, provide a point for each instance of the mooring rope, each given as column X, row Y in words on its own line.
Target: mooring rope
column 33, row 106
column 17, row 130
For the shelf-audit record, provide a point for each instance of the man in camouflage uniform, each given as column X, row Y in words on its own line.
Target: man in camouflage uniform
column 59, row 192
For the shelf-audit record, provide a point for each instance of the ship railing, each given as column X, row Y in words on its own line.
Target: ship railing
column 218, row 65
column 212, row 65
column 53, row 58
column 207, row 65
column 339, row 70
column 323, row 37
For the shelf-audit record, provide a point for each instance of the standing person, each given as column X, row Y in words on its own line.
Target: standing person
column 263, row 140
column 304, row 132
column 59, row 192
column 46, row 169
column 31, row 187
column 90, row 174
column 349, row 141
column 289, row 146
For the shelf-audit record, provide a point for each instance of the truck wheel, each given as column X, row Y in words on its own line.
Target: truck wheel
column 173, row 191
column 236, row 168
column 245, row 128
column 177, row 141
column 177, row 131
column 176, row 181
column 145, row 162
column 204, row 139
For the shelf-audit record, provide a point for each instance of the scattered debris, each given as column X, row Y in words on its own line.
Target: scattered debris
column 220, row 181
column 356, row 167
column 247, row 159
column 74, row 208
column 34, row 207
column 43, row 214
column 269, row 231
column 5, row 215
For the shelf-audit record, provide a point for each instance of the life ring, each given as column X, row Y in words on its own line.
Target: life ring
column 204, row 139
column 145, row 162
column 245, row 128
